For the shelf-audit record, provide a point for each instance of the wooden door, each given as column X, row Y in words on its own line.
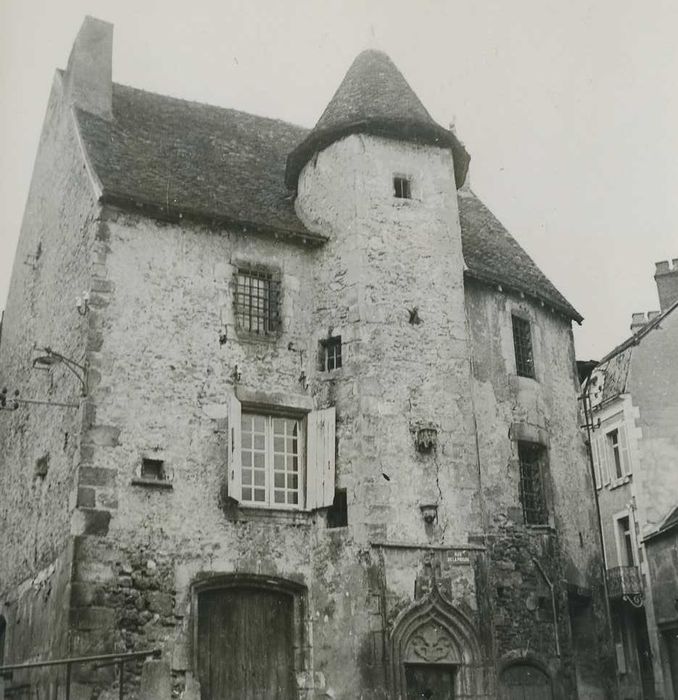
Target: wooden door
column 429, row 682
column 525, row 682
column 245, row 644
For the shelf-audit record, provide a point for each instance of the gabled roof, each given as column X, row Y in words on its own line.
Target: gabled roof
column 173, row 159
column 375, row 98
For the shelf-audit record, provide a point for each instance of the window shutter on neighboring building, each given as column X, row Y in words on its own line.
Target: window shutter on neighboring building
column 234, row 449
column 595, row 448
column 605, row 466
column 320, row 458
column 624, row 450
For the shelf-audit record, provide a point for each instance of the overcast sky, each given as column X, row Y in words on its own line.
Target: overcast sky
column 569, row 109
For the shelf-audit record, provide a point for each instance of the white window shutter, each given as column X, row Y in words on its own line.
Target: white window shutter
column 595, row 448
column 320, row 427
column 234, row 449
column 606, row 467
column 624, row 450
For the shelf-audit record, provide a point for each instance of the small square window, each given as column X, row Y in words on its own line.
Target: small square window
column 330, row 353
column 257, row 301
column 401, row 187
column 152, row 469
column 532, row 458
column 522, row 343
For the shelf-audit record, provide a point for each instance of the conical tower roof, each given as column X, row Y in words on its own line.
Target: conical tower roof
column 375, row 98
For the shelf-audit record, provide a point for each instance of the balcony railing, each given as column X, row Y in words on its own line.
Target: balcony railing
column 625, row 583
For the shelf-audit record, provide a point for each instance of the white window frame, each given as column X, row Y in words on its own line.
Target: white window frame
column 317, row 454
column 269, row 463
column 603, row 457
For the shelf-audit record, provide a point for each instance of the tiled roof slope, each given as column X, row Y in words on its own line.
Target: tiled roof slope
column 493, row 255
column 374, row 97
column 176, row 158
column 173, row 156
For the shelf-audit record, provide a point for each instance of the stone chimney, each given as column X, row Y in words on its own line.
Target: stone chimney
column 640, row 320
column 88, row 79
column 666, row 277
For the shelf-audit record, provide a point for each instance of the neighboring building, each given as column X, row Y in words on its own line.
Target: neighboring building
column 313, row 429
column 632, row 404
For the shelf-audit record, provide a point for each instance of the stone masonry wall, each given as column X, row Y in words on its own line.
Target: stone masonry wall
column 40, row 443
column 542, row 410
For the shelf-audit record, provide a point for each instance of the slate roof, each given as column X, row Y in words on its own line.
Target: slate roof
column 172, row 158
column 375, row 98
column 615, row 366
column 493, row 255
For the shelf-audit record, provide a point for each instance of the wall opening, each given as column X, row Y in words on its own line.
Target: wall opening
column 153, row 469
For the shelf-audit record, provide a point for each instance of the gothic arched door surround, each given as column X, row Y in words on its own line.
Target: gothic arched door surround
column 435, row 652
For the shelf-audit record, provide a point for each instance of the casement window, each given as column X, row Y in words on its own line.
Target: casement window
column 522, row 344
column 330, row 353
column 532, row 457
column 256, row 301
column 281, row 461
column 611, row 455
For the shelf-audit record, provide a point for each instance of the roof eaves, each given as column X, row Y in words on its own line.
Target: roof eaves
column 155, row 211
column 488, row 278
column 400, row 129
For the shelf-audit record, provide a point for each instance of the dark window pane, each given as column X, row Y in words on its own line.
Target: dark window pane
column 522, row 342
column 531, row 458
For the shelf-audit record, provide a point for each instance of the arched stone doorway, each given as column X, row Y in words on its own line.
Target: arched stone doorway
column 525, row 681
column 435, row 653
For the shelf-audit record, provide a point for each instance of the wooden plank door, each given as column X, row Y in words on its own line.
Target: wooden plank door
column 245, row 645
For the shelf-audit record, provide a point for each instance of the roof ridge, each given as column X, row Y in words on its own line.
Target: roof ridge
column 209, row 105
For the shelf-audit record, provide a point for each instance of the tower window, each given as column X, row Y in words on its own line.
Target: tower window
column 401, row 187
column 532, row 458
column 522, row 343
column 330, row 353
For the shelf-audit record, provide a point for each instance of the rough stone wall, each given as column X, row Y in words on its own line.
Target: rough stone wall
column 163, row 350
column 386, row 257
column 159, row 385
column 543, row 410
column 40, row 443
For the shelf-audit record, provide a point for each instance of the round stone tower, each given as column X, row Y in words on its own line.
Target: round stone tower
column 380, row 177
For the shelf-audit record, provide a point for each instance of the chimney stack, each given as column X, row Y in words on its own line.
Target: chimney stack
column 666, row 277
column 88, row 79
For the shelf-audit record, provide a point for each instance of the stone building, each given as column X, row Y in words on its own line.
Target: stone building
column 633, row 419
column 311, row 431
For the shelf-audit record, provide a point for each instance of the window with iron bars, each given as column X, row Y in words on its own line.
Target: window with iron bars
column 330, row 353
column 522, row 343
column 532, row 463
column 257, row 301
